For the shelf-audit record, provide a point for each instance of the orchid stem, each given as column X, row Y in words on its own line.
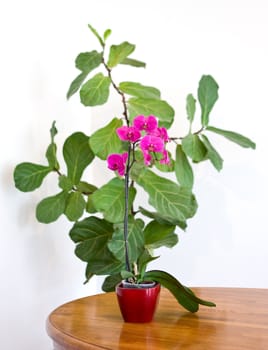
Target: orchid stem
column 126, row 210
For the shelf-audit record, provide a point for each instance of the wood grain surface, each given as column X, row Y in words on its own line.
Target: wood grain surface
column 239, row 322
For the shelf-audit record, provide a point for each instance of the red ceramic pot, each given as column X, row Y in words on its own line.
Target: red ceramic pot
column 137, row 304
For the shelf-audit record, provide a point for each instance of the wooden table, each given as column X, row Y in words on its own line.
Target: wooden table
column 239, row 322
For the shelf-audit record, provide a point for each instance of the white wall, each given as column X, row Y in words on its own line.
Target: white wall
column 226, row 243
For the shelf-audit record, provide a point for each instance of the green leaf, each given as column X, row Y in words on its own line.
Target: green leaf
column 157, row 235
column 105, row 140
column 90, row 206
column 134, row 63
column 76, row 84
column 207, row 96
column 106, row 34
column 77, row 155
column 135, row 240
column 110, row 200
column 145, row 106
column 29, row 176
column 183, row 294
column 119, row 52
column 139, row 90
column 85, row 187
column 65, row 183
column 163, row 220
column 92, row 235
column 143, row 261
column 50, row 208
column 234, row 137
column 53, row 131
column 86, row 62
column 51, row 155
column 169, row 199
column 212, row 154
column 194, row 148
column 110, row 282
column 93, row 30
column 95, row 91
column 75, row 206
column 88, row 275
column 190, row 107
column 183, row 169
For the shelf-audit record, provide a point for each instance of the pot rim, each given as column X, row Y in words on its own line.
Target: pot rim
column 143, row 285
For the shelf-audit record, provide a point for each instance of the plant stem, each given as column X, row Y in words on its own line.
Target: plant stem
column 118, row 91
column 126, row 210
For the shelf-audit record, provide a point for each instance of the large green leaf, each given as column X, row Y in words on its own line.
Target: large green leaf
column 110, row 282
column 169, row 199
column 110, row 200
column 183, row 169
column 162, row 219
column 190, row 107
column 105, row 140
column 212, row 154
column 183, row 294
column 149, row 106
column 135, row 240
column 207, row 96
column 29, row 176
column 77, row 155
column 118, row 53
column 86, row 62
column 75, row 206
column 92, row 235
column 139, row 90
column 50, row 208
column 157, row 235
column 134, row 63
column 95, row 91
column 234, row 137
column 194, row 148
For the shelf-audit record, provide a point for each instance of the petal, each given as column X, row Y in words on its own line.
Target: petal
column 138, row 122
column 152, row 123
column 122, row 133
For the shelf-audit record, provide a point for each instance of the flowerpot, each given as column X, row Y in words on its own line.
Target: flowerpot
column 138, row 304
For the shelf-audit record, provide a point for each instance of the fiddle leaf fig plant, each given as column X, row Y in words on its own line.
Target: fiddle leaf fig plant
column 114, row 232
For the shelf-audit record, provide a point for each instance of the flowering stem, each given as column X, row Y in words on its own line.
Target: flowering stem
column 126, row 210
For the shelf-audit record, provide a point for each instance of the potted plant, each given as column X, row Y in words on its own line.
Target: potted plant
column 115, row 235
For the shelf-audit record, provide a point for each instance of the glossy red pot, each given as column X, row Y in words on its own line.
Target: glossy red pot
column 138, row 304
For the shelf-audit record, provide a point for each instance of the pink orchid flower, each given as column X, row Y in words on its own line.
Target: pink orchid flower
column 151, row 143
column 117, row 162
column 128, row 133
column 162, row 133
column 149, row 124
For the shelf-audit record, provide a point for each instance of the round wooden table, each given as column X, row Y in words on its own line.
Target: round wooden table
column 239, row 322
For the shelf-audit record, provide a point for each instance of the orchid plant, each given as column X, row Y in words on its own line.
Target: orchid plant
column 114, row 234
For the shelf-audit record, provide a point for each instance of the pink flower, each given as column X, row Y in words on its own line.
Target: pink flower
column 149, row 124
column 128, row 133
column 162, row 133
column 117, row 162
column 151, row 143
